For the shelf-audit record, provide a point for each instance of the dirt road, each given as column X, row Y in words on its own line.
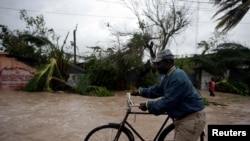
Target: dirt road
column 69, row 117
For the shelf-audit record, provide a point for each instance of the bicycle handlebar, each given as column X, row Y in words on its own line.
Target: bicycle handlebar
column 130, row 102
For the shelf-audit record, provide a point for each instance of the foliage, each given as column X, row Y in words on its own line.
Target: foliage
column 160, row 21
column 98, row 91
column 49, row 78
column 242, row 87
column 61, row 58
column 206, row 101
column 186, row 64
column 36, row 83
column 231, row 57
column 212, row 43
column 102, row 73
column 15, row 44
column 35, row 44
column 137, row 43
column 82, row 84
column 150, row 79
column 206, row 45
column 84, row 88
column 111, row 68
column 227, row 87
column 226, row 58
column 21, row 43
column 210, row 63
column 233, row 10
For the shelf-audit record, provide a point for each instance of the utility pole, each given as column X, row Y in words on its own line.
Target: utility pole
column 74, row 34
column 197, row 26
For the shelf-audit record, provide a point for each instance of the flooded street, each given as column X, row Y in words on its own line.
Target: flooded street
column 69, row 117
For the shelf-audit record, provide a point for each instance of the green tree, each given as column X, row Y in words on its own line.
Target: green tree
column 212, row 43
column 22, row 43
column 235, row 11
column 110, row 68
column 52, row 76
column 36, row 42
column 205, row 45
column 227, row 56
column 137, row 43
column 185, row 64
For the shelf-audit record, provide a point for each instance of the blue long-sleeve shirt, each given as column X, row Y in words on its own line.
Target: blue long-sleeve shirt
column 178, row 96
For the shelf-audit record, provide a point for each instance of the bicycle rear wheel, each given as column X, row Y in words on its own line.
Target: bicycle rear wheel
column 168, row 134
column 108, row 133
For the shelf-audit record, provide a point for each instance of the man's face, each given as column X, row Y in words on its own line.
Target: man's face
column 163, row 67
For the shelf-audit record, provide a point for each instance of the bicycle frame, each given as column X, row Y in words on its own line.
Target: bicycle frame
column 127, row 125
column 128, row 131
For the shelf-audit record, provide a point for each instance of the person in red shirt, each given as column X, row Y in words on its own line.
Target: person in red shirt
column 211, row 86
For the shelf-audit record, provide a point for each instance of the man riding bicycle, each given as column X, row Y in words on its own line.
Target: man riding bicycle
column 179, row 99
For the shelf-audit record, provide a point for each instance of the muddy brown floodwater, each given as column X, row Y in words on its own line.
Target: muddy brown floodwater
column 69, row 117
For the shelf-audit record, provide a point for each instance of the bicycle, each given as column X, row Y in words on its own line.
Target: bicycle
column 124, row 131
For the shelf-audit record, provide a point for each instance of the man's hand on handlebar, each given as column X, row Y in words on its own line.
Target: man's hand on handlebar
column 135, row 93
column 143, row 107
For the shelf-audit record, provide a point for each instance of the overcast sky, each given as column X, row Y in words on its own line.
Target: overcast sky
column 91, row 17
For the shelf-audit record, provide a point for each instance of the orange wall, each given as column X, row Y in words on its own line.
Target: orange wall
column 14, row 74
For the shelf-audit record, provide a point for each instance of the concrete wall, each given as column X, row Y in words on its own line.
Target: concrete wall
column 13, row 73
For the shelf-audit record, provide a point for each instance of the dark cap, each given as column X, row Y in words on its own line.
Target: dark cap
column 163, row 55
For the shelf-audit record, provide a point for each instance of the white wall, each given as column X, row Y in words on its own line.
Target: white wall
column 205, row 77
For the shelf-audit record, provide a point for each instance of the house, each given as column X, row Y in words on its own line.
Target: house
column 75, row 73
column 203, row 77
column 14, row 73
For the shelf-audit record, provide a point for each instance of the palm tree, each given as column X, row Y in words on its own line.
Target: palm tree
column 52, row 76
column 205, row 45
column 235, row 11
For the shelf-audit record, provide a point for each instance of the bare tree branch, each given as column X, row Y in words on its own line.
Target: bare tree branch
column 167, row 19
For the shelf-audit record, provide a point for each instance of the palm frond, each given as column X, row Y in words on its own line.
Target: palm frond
column 42, row 79
column 225, row 7
column 233, row 16
column 38, row 40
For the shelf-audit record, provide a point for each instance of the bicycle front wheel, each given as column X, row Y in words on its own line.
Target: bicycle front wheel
column 168, row 134
column 108, row 133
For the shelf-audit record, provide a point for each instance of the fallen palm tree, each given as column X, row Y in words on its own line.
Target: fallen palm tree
column 49, row 78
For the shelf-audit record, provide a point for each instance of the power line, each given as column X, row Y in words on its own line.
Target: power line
column 64, row 13
column 108, row 1
column 76, row 14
